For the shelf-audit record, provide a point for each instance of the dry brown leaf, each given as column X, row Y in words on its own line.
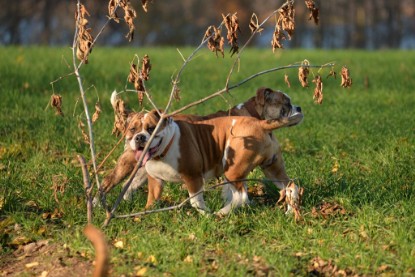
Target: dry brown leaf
column 145, row 68
column 314, row 12
column 290, row 199
column 287, row 81
column 144, row 4
column 137, row 78
column 58, row 185
column 284, row 26
column 254, row 25
column 81, row 126
column 56, row 103
column 129, row 16
column 176, row 93
column 276, row 39
column 121, row 113
column 303, row 72
column 346, row 79
column 329, row 209
column 112, row 10
column 332, row 73
column 319, row 267
column 232, row 26
column 286, row 19
column 95, row 116
column 84, row 38
column 215, row 40
column 318, row 90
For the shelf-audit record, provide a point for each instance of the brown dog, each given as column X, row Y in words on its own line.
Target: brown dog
column 192, row 152
column 267, row 104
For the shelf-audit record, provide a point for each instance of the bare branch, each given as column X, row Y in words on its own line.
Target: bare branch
column 82, row 91
column 87, row 187
column 181, row 204
column 219, row 92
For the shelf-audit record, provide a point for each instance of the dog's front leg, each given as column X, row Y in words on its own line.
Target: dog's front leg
column 124, row 167
column 155, row 189
column 140, row 179
column 195, row 189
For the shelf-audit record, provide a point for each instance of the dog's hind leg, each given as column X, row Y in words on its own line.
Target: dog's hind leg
column 274, row 169
column 235, row 195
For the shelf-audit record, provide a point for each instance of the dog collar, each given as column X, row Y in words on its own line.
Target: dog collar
column 162, row 155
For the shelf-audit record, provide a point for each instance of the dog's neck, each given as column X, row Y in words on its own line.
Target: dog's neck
column 169, row 135
column 251, row 107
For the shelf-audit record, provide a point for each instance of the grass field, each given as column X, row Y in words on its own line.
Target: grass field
column 356, row 150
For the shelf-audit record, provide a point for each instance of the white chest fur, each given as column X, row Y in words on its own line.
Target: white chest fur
column 167, row 167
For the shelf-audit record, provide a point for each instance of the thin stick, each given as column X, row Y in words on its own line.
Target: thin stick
column 220, row 92
column 87, row 187
column 81, row 88
column 181, row 204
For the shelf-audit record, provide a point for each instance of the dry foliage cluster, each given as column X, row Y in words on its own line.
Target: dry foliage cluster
column 129, row 13
column 137, row 77
column 121, row 113
column 314, row 11
column 321, row 267
column 56, row 103
column 329, row 209
column 215, row 41
column 232, row 26
column 85, row 39
column 287, row 198
column 346, row 79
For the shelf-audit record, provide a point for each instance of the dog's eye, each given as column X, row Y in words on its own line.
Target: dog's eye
column 150, row 130
column 132, row 130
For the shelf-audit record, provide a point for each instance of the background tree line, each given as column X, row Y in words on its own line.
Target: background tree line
column 369, row 24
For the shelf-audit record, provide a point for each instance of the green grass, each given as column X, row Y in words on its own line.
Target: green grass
column 368, row 131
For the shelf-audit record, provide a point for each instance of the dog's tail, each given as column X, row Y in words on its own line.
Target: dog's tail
column 273, row 124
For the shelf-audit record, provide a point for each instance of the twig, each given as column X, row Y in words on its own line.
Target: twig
column 181, row 204
column 220, row 92
column 81, row 88
column 87, row 187
column 248, row 41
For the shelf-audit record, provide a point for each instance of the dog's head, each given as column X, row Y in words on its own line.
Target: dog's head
column 142, row 131
column 275, row 104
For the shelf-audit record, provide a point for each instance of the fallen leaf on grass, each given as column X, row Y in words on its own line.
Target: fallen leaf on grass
column 30, row 265
column 188, row 259
column 320, row 267
column 119, row 244
column 328, row 209
column 141, row 271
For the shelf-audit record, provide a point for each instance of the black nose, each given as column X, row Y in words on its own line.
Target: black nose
column 140, row 138
column 299, row 109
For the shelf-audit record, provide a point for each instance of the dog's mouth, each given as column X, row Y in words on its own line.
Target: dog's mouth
column 150, row 153
column 294, row 111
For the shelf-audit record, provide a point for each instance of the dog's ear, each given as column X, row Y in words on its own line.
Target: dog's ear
column 262, row 95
